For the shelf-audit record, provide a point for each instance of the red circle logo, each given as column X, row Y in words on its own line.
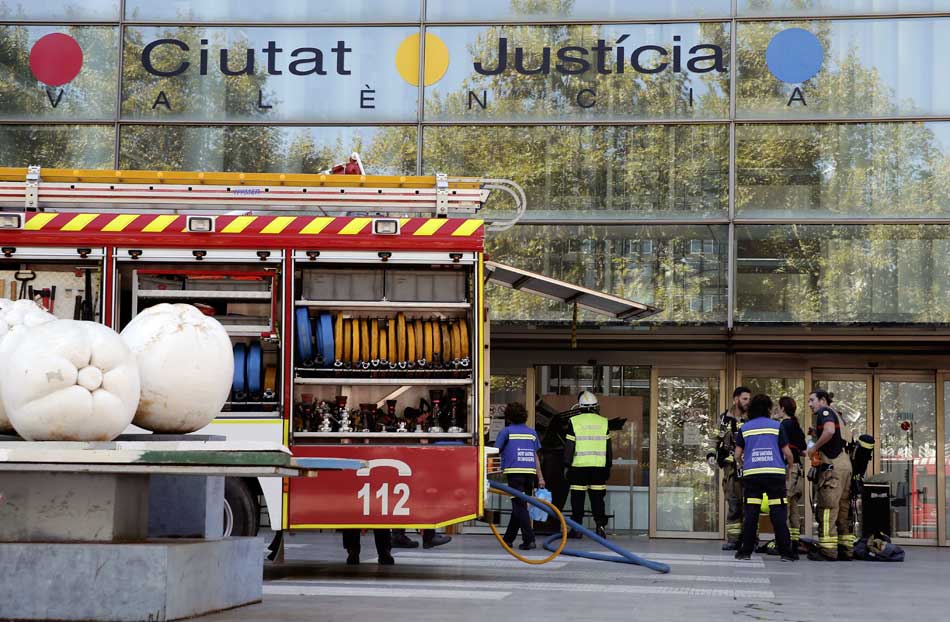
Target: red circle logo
column 55, row 59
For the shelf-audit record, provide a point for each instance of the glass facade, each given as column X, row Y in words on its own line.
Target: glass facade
column 671, row 152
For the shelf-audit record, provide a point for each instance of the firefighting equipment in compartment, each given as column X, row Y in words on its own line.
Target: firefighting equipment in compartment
column 325, row 342
column 446, row 344
column 347, row 341
column 427, row 341
column 418, row 330
column 270, row 382
column 355, row 341
column 364, row 342
column 400, row 357
column 383, row 345
column 304, row 338
column 338, row 338
column 625, row 556
column 436, row 342
column 463, row 330
column 238, row 384
column 411, row 344
column 391, row 346
column 374, row 341
column 457, row 343
column 255, row 368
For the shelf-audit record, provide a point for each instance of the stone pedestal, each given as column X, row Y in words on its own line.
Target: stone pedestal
column 185, row 506
column 91, row 507
column 153, row 581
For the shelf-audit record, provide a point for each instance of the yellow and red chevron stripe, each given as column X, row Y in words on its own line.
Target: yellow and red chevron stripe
column 312, row 231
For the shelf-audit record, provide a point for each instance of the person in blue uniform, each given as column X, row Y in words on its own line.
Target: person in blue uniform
column 763, row 453
column 518, row 445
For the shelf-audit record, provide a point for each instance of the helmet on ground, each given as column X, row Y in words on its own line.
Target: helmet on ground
column 587, row 401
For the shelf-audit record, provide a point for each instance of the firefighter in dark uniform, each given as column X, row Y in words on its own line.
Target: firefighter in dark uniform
column 721, row 455
column 835, row 535
column 589, row 456
column 795, row 480
column 763, row 454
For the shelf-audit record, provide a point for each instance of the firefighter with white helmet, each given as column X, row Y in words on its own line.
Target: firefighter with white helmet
column 588, row 456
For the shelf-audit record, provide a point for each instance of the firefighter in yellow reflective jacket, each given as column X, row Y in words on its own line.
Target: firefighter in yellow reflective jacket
column 722, row 455
column 589, row 457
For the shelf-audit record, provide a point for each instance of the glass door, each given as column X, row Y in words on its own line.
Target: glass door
column 686, row 493
column 907, row 438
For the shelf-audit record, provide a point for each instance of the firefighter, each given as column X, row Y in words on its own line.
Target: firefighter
column 589, row 456
column 835, row 537
column 519, row 446
column 763, row 453
column 722, row 455
column 795, row 480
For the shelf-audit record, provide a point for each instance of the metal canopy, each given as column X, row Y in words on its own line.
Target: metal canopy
column 598, row 302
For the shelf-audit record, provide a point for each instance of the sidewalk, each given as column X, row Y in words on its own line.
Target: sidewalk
column 473, row 579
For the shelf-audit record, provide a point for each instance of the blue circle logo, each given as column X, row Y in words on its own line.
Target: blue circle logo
column 794, row 55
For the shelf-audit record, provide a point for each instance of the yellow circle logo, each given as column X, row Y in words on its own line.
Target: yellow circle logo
column 436, row 64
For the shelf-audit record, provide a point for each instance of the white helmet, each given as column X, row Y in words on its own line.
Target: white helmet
column 587, row 401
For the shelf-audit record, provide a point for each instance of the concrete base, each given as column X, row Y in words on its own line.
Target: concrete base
column 97, row 507
column 185, row 506
column 153, row 581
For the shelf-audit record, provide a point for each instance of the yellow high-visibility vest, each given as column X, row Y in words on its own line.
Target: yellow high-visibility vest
column 590, row 440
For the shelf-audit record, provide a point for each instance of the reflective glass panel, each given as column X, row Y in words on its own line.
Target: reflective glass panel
column 888, row 170
column 273, row 11
column 384, row 150
column 58, row 146
column 58, row 72
column 687, row 489
column 268, row 74
column 59, row 10
column 622, row 173
column 843, row 274
column 680, row 269
column 865, row 68
column 791, row 8
column 554, row 10
column 908, row 456
column 604, row 72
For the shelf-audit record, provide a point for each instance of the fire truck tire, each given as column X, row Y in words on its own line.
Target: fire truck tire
column 326, row 342
column 338, row 338
column 383, row 345
column 410, row 342
column 255, row 370
column 364, row 340
column 374, row 340
column 463, row 329
column 400, row 337
column 419, row 329
column 238, row 385
column 304, row 338
column 347, row 347
column 240, row 509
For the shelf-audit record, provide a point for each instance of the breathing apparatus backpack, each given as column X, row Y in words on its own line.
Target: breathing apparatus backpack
column 861, row 453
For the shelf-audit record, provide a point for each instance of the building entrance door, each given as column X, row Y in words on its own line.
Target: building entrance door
column 899, row 409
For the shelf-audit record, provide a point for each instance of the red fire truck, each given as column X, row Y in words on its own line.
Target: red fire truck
column 355, row 304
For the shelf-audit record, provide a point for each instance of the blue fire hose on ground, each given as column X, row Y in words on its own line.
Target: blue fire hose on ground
column 623, row 556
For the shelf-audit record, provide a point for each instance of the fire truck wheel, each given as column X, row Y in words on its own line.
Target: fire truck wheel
column 240, row 509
